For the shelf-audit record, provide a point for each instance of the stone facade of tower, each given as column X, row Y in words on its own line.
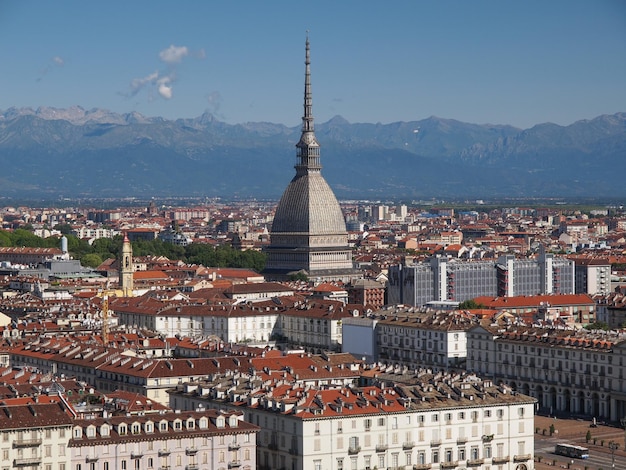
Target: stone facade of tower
column 126, row 268
column 309, row 231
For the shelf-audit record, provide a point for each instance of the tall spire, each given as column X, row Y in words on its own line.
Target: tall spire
column 308, row 149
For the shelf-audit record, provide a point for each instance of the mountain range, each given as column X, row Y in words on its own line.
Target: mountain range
column 77, row 153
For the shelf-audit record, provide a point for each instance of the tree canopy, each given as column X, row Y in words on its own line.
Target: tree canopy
column 221, row 256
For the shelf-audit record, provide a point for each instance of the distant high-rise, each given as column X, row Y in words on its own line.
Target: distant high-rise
column 309, row 231
column 442, row 279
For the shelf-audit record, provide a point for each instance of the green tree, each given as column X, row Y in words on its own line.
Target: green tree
column 21, row 237
column 598, row 325
column 5, row 239
column 91, row 260
column 470, row 305
column 299, row 276
column 65, row 229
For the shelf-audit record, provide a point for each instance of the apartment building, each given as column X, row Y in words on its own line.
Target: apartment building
column 402, row 336
column 35, row 435
column 593, row 276
column 568, row 371
column 399, row 420
column 314, row 324
column 109, row 369
column 190, row 440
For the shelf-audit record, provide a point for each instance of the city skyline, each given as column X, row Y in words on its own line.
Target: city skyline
column 480, row 62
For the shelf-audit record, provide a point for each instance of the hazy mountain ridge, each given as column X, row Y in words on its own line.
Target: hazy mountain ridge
column 76, row 152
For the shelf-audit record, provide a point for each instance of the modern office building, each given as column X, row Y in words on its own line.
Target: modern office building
column 441, row 279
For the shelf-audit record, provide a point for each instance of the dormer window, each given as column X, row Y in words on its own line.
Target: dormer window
column 149, row 427
column 163, row 426
column 136, row 428
column 178, row 425
column 122, row 429
column 220, row 422
column 78, row 432
column 233, row 421
column 191, row 424
column 91, row 431
column 203, row 423
column 105, row 431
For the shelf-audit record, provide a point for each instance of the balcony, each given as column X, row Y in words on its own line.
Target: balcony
column 475, row 462
column 521, row 458
column 272, row 446
column 354, row 450
column 191, row 451
column 164, row 452
column 450, row 464
column 407, row 445
column 293, row 451
column 381, row 447
column 499, row 460
column 136, row 454
column 422, row 466
column 192, row 466
column 234, row 464
column 91, row 459
column 26, row 443
column 461, row 440
column 27, row 462
column 233, row 446
column 164, row 467
column 435, row 443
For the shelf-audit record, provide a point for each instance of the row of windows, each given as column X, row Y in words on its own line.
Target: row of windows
column 150, row 427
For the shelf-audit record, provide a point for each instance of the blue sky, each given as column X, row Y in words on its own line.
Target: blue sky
column 503, row 62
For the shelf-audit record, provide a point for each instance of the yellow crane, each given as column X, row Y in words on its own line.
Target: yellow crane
column 105, row 313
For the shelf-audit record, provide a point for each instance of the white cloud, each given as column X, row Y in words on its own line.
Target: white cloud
column 173, row 54
column 138, row 83
column 57, row 61
column 165, row 89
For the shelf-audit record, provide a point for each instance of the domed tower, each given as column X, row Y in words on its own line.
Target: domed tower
column 309, row 231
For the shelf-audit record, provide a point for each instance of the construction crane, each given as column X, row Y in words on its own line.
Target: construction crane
column 105, row 319
column 105, row 314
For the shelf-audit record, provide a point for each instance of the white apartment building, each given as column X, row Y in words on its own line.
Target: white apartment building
column 190, row 440
column 94, row 233
column 313, row 324
column 404, row 336
column 568, row 371
column 427, row 422
column 35, row 436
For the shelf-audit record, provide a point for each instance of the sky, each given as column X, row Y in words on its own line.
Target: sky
column 481, row 61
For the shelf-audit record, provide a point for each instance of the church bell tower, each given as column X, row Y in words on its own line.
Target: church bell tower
column 126, row 267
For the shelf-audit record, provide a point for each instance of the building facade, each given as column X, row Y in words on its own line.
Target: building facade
column 35, row 436
column 432, row 423
column 568, row 372
column 441, row 279
column 190, row 440
column 400, row 337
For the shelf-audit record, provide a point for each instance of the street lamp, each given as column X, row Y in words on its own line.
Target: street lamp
column 613, row 446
